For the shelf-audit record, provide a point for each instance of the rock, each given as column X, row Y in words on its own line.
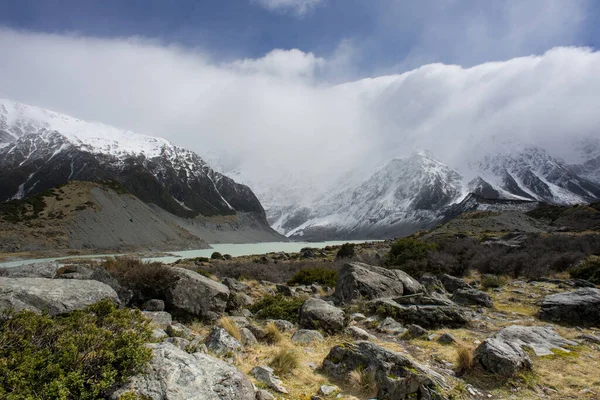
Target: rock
column 259, row 332
column 266, row 376
column 264, row 395
column 415, row 331
column 428, row 316
column 178, row 330
column 306, row 336
column 503, row 359
column 326, row 390
column 580, row 307
column 154, row 305
column 358, row 280
column 235, row 285
column 396, row 376
column 390, row 325
column 357, row 317
column 159, row 334
column 246, row 313
column 240, row 321
column 248, row 338
column 57, row 296
column 318, row 314
column 179, row 342
column 589, row 338
column 36, row 270
column 360, row 334
column 95, row 273
column 176, row 375
column 472, row 297
column 222, row 343
column 432, row 284
column 237, row 301
column 282, row 324
column 161, row 319
column 540, row 339
column 452, row 283
column 435, row 299
column 195, row 295
column 308, row 254
column 446, row 339
column 285, row 290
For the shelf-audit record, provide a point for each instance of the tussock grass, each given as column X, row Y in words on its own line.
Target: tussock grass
column 285, row 362
column 231, row 327
column 363, row 381
column 273, row 336
column 464, row 358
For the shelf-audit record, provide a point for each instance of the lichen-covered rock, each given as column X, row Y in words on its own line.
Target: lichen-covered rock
column 580, row 307
column 390, row 325
column 95, row 273
column 154, row 305
column 176, row 375
column 397, row 376
column 248, row 338
column 472, row 297
column 36, row 270
column 428, row 316
column 541, row 339
column 360, row 334
column 57, row 296
column 282, row 324
column 161, row 319
column 358, row 280
column 195, row 295
column 415, row 331
column 318, row 314
column 495, row 356
column 222, row 343
column 452, row 283
column 266, row 376
column 307, row 336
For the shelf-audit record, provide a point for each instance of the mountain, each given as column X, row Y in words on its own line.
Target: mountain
column 41, row 149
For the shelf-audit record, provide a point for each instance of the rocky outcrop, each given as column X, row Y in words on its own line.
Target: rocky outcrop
column 397, row 376
column 358, row 280
column 176, row 375
column 56, row 296
column 452, row 283
column 541, row 339
column 580, row 307
column 472, row 297
column 94, row 273
column 36, row 270
column 318, row 314
column 429, row 316
column 196, row 296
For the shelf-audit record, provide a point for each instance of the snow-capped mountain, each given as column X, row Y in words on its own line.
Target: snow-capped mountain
column 40, row 149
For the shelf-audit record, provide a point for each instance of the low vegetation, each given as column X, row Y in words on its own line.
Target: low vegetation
column 231, row 327
column 346, row 251
column 76, row 356
column 588, row 269
column 278, row 307
column 308, row 276
column 285, row 362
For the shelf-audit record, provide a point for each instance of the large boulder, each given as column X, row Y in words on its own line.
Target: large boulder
column 452, row 283
column 56, row 296
column 357, row 280
column 176, row 375
column 580, row 307
column 95, row 273
column 396, row 376
column 36, row 270
column 472, row 297
column 195, row 295
column 429, row 316
column 541, row 339
column 318, row 314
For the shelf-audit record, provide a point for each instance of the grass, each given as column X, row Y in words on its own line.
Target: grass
column 231, row 327
column 464, row 358
column 363, row 381
column 285, row 362
column 273, row 335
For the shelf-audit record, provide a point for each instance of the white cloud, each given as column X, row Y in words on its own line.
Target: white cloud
column 297, row 7
column 272, row 118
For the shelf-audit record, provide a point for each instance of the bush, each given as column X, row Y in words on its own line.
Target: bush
column 489, row 281
column 285, row 362
column 75, row 356
column 346, row 251
column 588, row 269
column 308, row 276
column 216, row 256
column 278, row 307
column 408, row 249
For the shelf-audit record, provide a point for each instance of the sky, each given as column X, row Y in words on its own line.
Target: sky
column 277, row 88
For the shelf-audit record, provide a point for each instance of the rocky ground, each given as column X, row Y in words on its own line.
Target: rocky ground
column 376, row 333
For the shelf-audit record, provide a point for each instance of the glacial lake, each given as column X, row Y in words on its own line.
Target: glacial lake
column 233, row 249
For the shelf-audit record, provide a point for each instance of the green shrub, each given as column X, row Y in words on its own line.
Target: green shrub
column 75, row 356
column 346, row 251
column 278, row 307
column 588, row 269
column 308, row 276
column 203, row 272
column 489, row 281
column 216, row 256
column 408, row 249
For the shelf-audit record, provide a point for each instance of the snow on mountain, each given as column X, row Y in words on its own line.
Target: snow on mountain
column 588, row 165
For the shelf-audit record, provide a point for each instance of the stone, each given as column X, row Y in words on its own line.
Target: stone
column 472, row 297
column 282, row 324
column 266, row 376
column 360, row 334
column 452, row 283
column 396, row 376
column 285, row 290
column 154, row 305
column 179, row 342
column 248, row 338
column 159, row 334
column 318, row 314
column 428, row 316
column 195, row 295
column 541, row 339
column 446, row 339
column 589, row 338
column 357, row 317
column 240, row 321
column 432, row 284
column 161, row 319
column 259, row 332
column 56, row 296
column 307, row 336
column 415, row 331
column 222, row 343
column 235, row 285
column 580, row 307
column 327, row 390
column 264, row 395
column 176, row 375
column 358, row 280
column 177, row 329
column 390, row 325
column 95, row 273
column 495, row 356
column 36, row 270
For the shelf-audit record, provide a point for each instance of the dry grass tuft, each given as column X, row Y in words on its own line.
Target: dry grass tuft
column 285, row 362
column 363, row 381
column 231, row 328
column 273, row 335
column 464, row 358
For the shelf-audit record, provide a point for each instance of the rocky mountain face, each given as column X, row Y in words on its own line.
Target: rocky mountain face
column 40, row 149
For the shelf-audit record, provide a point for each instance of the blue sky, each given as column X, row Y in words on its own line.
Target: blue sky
column 381, row 36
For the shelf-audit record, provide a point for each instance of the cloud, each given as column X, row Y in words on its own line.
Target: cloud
column 296, row 7
column 277, row 119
